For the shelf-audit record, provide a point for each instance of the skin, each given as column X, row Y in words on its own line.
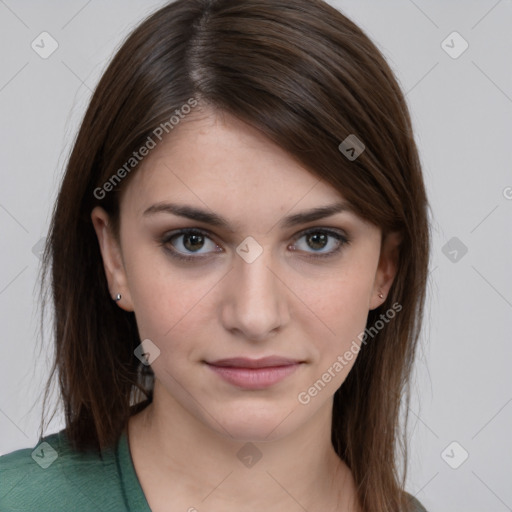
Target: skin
column 286, row 302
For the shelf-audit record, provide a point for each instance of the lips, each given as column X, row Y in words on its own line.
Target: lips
column 254, row 374
column 245, row 362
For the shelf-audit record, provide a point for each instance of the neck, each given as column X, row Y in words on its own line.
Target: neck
column 200, row 468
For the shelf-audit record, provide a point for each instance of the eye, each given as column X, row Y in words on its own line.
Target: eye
column 323, row 242
column 189, row 241
column 193, row 244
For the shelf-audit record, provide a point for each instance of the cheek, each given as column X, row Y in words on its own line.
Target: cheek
column 164, row 300
column 338, row 310
column 341, row 299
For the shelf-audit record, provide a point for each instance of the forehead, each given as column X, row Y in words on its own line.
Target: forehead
column 215, row 160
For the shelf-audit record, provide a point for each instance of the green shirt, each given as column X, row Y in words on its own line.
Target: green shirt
column 52, row 477
column 71, row 481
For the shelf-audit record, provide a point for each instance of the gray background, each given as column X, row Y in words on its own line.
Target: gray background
column 462, row 113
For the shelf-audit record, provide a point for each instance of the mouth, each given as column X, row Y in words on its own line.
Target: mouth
column 254, row 374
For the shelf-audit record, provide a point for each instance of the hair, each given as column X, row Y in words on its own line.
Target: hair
column 307, row 77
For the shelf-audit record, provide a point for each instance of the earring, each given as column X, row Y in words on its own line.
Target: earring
column 118, row 297
column 380, row 295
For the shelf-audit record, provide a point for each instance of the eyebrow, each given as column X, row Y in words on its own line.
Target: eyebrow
column 213, row 219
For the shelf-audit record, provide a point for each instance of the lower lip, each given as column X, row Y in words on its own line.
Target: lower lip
column 254, row 378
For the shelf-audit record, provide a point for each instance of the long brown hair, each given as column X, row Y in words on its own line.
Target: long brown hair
column 307, row 77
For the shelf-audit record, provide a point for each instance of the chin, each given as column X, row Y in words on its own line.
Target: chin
column 251, row 423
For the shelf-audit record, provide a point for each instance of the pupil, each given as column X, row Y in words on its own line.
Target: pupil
column 318, row 238
column 197, row 242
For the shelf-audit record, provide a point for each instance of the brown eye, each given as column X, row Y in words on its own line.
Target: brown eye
column 186, row 243
column 321, row 242
column 317, row 241
column 193, row 242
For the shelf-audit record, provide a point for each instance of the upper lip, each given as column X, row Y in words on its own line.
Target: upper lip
column 245, row 362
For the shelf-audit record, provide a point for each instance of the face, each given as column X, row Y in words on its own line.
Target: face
column 250, row 303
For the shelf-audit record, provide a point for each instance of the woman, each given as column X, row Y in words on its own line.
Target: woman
column 238, row 256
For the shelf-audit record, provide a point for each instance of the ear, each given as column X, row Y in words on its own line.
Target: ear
column 387, row 268
column 112, row 258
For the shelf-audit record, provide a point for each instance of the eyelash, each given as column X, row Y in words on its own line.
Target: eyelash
column 342, row 239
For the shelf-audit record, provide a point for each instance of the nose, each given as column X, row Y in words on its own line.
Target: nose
column 254, row 299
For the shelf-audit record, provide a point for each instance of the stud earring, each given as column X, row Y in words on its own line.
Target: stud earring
column 118, row 297
column 380, row 295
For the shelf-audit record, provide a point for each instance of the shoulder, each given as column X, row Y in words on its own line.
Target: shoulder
column 51, row 476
